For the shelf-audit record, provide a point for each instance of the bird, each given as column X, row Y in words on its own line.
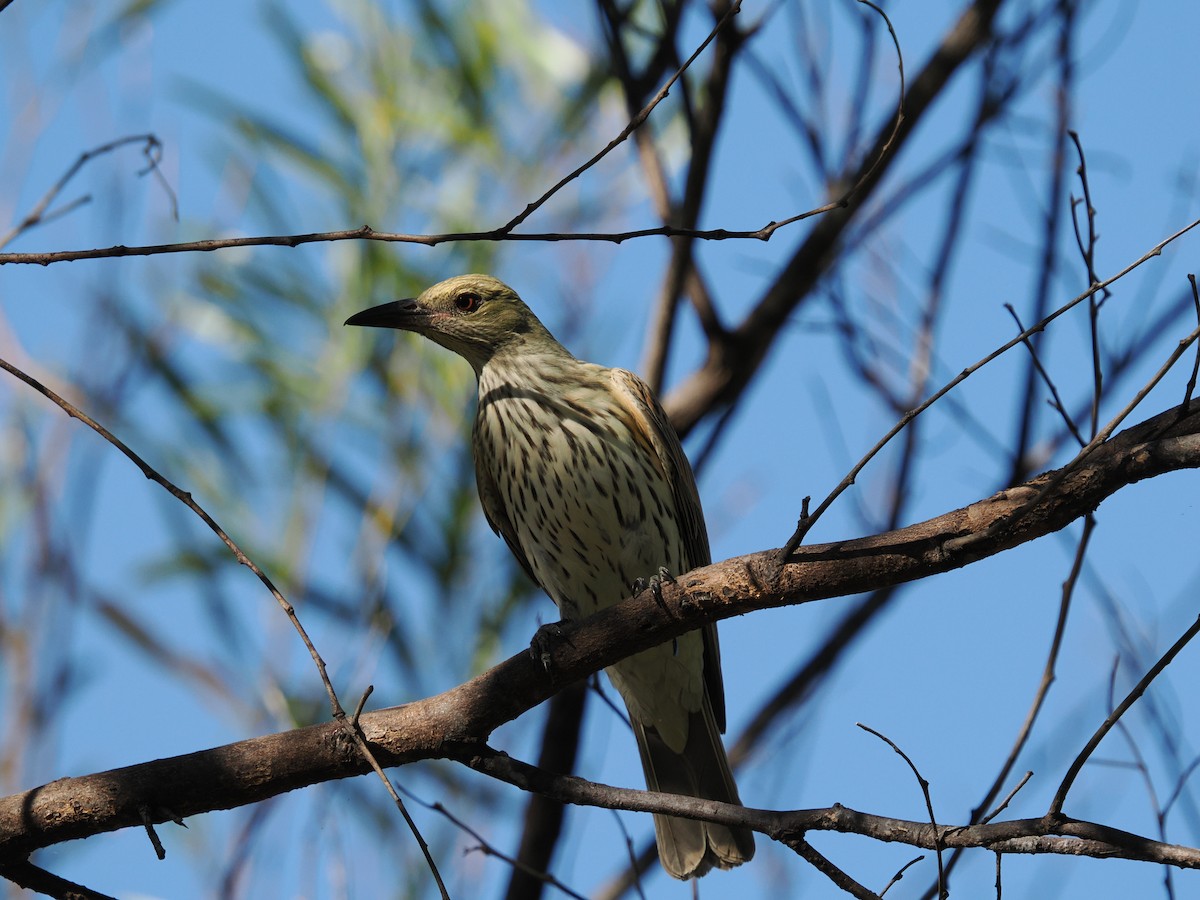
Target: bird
column 580, row 472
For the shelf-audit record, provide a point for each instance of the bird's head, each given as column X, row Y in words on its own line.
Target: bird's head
column 476, row 316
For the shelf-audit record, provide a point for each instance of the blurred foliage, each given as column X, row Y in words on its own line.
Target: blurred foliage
column 271, row 368
column 338, row 459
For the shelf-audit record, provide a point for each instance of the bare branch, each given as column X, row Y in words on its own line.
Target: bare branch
column 454, row 724
column 41, row 212
column 33, row 878
column 1106, row 726
column 806, row 524
column 924, row 785
column 809, row 854
column 723, row 377
column 635, row 123
column 1191, row 385
column 339, row 714
column 366, row 233
column 1056, row 399
column 1045, row 835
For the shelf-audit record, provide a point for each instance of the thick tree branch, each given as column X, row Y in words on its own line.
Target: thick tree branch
column 458, row 721
column 1051, row 833
column 33, row 878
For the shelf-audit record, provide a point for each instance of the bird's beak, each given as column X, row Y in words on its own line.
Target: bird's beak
column 404, row 314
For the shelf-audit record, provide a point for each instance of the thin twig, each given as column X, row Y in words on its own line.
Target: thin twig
column 638, row 863
column 897, row 121
column 1051, row 484
column 1048, row 672
column 1056, row 402
column 362, row 702
column 148, row 823
column 900, row 874
column 488, row 849
column 1087, row 249
column 1191, row 385
column 1143, row 769
column 1106, row 726
column 682, row 273
column 633, row 125
column 367, row 233
column 187, row 500
column 40, row 214
column 962, row 376
column 1048, row 259
column 818, row 861
column 1180, row 783
column 1048, row 676
column 942, row 890
column 504, row 232
column 1007, row 800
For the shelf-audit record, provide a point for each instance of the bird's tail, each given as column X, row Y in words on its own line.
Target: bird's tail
column 688, row 848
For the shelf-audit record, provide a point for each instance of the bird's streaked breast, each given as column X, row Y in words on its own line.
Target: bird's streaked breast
column 589, row 506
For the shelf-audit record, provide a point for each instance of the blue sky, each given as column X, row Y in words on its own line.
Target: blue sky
column 949, row 670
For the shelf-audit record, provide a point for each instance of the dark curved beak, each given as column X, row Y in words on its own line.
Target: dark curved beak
column 403, row 314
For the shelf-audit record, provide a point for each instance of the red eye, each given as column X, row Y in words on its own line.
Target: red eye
column 467, row 301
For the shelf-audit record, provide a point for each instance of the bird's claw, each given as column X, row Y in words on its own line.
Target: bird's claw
column 545, row 641
column 655, row 583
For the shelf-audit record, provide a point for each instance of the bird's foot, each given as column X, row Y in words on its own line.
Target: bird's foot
column 655, row 582
column 546, row 640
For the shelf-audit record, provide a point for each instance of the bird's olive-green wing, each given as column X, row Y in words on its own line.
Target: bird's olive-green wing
column 647, row 420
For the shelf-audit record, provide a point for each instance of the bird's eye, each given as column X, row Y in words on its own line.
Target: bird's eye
column 467, row 301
